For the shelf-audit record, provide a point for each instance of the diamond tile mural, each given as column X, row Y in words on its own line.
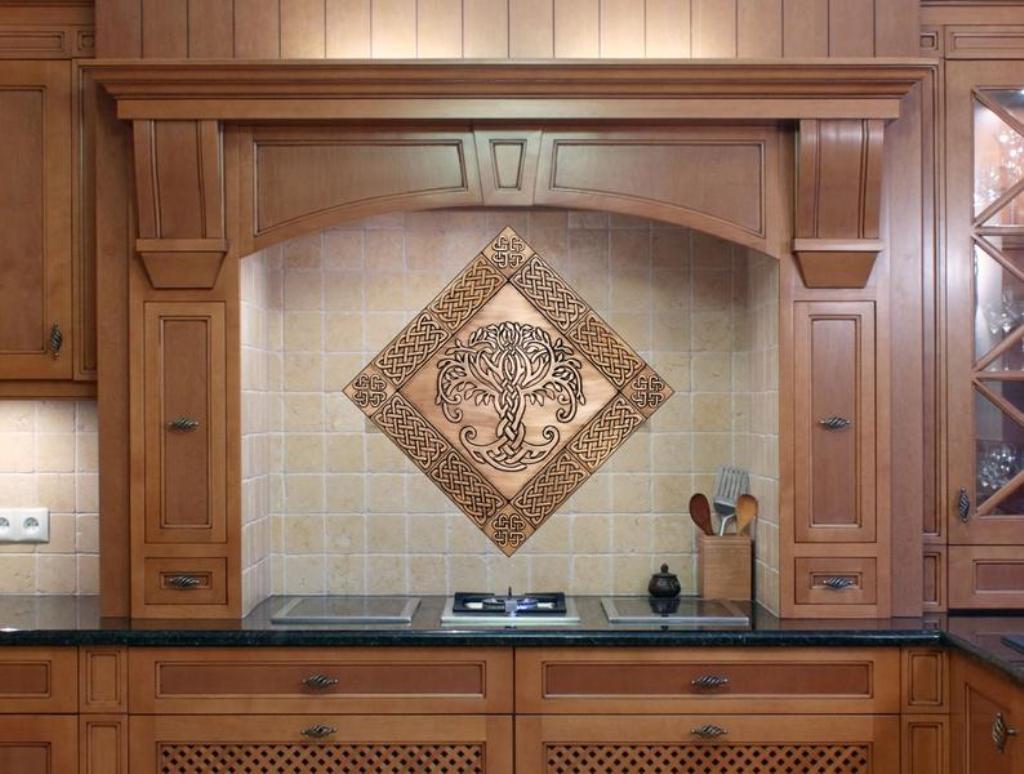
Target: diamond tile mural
column 508, row 391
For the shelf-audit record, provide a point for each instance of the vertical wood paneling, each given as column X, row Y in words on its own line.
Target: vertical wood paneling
column 668, row 28
column 714, row 29
column 577, row 29
column 531, row 29
column 118, row 28
column 348, row 29
column 257, row 29
column 165, row 29
column 759, row 28
column 303, row 29
column 851, row 27
column 211, row 29
column 804, row 28
column 622, row 29
column 485, row 29
column 393, row 29
column 439, row 29
column 898, row 30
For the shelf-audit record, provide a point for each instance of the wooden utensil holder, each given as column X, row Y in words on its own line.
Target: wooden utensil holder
column 724, row 567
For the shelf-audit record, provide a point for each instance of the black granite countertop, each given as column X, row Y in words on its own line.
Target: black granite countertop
column 66, row 620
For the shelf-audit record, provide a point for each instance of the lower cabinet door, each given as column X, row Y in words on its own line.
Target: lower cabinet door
column 314, row 744
column 987, row 721
column 38, row 744
column 723, row 744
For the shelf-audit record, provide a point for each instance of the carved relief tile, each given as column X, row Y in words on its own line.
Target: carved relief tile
column 508, row 391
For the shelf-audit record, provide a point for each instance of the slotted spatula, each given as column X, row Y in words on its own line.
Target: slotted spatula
column 730, row 483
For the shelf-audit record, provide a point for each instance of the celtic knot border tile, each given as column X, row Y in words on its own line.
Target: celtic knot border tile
column 378, row 391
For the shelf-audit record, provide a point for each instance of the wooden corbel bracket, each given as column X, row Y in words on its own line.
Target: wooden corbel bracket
column 179, row 184
column 838, row 193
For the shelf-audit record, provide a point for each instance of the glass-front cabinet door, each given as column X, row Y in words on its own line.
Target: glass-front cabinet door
column 985, row 305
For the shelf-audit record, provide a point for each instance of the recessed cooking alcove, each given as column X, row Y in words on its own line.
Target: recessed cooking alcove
column 234, row 160
column 331, row 505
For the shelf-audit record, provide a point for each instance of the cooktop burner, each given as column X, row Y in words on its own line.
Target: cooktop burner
column 475, row 603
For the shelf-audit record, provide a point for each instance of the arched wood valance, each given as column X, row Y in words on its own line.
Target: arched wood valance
column 701, row 144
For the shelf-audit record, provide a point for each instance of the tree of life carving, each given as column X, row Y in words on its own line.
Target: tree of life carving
column 509, row 366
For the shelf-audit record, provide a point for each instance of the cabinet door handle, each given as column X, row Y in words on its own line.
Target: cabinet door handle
column 708, row 731
column 835, row 423
column 1001, row 732
column 709, row 681
column 963, row 505
column 319, row 731
column 319, row 682
column 56, row 340
column 183, row 424
column 183, row 581
column 838, row 582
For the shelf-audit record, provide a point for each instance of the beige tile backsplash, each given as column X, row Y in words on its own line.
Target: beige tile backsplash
column 332, row 506
column 48, row 458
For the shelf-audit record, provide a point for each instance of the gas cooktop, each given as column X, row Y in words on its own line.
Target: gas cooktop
column 482, row 609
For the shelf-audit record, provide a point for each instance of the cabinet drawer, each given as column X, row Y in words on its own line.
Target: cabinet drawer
column 836, row 580
column 186, row 581
column 724, row 681
column 38, row 680
column 986, row 577
column 318, row 744
column 379, row 680
column 723, row 744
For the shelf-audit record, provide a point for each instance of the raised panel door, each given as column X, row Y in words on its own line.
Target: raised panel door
column 36, row 328
column 834, row 355
column 985, row 717
column 39, row 744
column 185, row 419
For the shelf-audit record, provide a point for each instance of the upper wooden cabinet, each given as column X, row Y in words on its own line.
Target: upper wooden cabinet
column 985, row 333
column 36, row 328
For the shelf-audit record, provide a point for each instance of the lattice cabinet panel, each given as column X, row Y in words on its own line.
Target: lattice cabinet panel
column 692, row 744
column 702, row 758
column 317, row 744
column 211, row 758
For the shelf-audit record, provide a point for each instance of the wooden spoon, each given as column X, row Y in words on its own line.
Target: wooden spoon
column 746, row 512
column 700, row 512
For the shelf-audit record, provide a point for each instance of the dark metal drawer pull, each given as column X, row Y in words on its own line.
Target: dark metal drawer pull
column 319, row 682
column 56, row 340
column 1001, row 732
column 183, row 424
column 319, row 731
column 963, row 505
column 838, row 582
column 709, row 681
column 835, row 423
column 183, row 581
column 708, row 731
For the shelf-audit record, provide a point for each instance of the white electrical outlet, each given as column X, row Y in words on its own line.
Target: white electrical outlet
column 24, row 525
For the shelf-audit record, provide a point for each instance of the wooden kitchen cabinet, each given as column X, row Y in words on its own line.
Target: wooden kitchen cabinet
column 835, row 422
column 987, row 717
column 319, row 744
column 184, row 563
column 38, row 744
column 836, row 558
column 985, row 378
column 37, row 330
column 724, row 744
